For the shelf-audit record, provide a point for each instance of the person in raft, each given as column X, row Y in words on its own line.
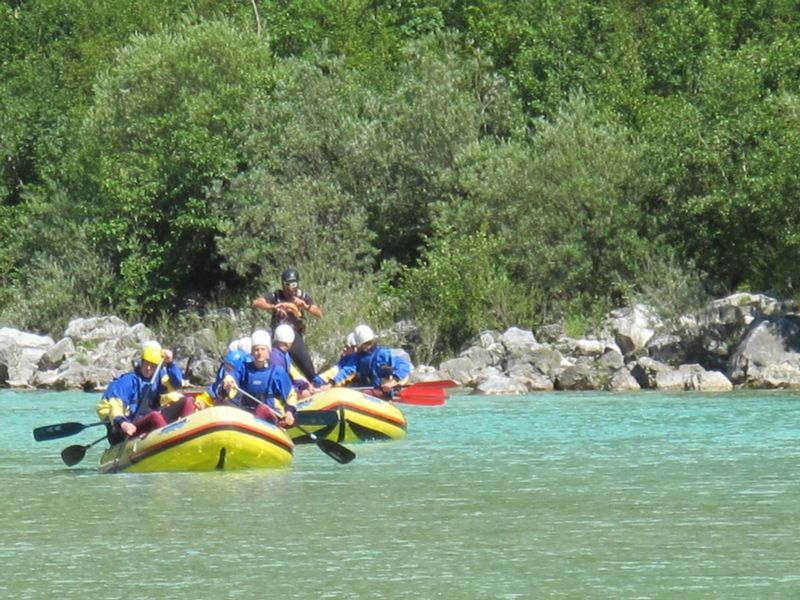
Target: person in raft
column 344, row 371
column 289, row 305
column 270, row 384
column 378, row 366
column 280, row 356
column 146, row 397
column 232, row 364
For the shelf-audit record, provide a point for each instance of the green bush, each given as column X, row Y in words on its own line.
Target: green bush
column 162, row 131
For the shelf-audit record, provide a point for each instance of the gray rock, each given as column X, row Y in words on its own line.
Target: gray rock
column 527, row 375
column 633, row 327
column 654, row 375
column 518, row 342
column 708, row 381
column 769, row 354
column 500, row 385
column 459, row 368
column 481, row 357
column 20, row 352
column 582, row 376
column 56, row 354
column 622, row 381
column 611, row 359
column 544, row 359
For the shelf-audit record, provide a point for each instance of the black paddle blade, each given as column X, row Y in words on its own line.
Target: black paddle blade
column 60, row 430
column 72, row 455
column 335, row 450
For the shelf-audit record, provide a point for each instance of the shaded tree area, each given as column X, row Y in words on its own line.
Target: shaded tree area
column 463, row 164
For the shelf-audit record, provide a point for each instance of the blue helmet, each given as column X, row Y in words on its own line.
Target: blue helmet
column 235, row 358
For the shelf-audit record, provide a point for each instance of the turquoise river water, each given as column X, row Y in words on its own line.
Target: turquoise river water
column 543, row 496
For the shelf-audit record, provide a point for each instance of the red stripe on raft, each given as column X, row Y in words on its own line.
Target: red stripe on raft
column 198, row 431
column 355, row 408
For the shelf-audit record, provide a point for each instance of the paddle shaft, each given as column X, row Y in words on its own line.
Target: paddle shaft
column 333, row 449
column 435, row 383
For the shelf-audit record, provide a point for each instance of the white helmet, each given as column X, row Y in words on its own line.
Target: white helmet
column 350, row 340
column 260, row 338
column 284, row 333
column 242, row 344
column 363, row 334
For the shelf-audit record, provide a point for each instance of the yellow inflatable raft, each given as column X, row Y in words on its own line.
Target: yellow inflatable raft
column 360, row 417
column 217, row 438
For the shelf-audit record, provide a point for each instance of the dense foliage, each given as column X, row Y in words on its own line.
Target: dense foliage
column 461, row 164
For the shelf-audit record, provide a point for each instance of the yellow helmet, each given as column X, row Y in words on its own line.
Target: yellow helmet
column 151, row 352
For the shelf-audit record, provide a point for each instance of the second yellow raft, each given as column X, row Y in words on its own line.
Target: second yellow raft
column 361, row 417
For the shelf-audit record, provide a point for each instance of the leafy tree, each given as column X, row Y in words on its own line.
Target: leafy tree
column 724, row 166
column 457, row 288
column 568, row 213
column 162, row 131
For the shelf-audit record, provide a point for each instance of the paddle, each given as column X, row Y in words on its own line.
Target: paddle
column 427, row 396
column 60, row 430
column 72, row 455
column 436, row 383
column 333, row 449
column 422, row 394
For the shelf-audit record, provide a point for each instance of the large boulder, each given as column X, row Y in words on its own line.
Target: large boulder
column 518, row 342
column 581, row 376
column 654, row 375
column 768, row 356
column 20, row 352
column 56, row 354
column 708, row 381
column 106, row 343
column 460, row 368
column 622, row 381
column 498, row 384
column 739, row 309
column 199, row 355
column 632, row 327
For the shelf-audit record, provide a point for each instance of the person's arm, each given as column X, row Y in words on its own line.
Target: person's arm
column 345, row 371
column 262, row 303
column 271, row 304
column 217, row 390
column 401, row 366
column 174, row 374
column 285, row 391
column 113, row 408
column 232, row 383
column 299, row 381
column 304, row 302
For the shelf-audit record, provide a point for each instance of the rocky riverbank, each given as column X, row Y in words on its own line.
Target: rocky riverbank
column 743, row 340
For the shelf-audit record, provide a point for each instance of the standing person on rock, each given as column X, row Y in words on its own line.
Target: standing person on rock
column 289, row 306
